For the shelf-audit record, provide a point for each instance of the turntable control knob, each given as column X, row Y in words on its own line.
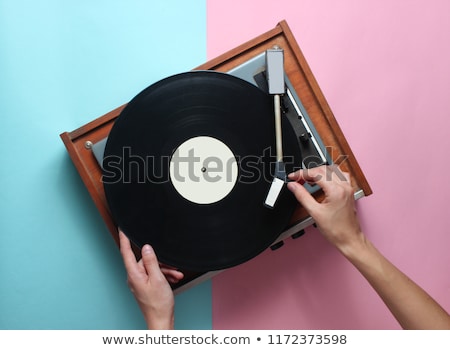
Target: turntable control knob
column 277, row 245
column 305, row 137
column 298, row 234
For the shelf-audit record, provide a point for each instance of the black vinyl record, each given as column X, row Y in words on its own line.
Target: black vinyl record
column 139, row 186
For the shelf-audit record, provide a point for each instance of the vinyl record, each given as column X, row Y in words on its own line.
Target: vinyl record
column 188, row 165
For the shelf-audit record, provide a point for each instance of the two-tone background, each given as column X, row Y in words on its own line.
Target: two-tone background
column 383, row 67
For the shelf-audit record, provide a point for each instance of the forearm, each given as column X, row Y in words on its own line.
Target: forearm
column 411, row 305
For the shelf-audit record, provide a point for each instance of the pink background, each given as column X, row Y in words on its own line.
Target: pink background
column 384, row 67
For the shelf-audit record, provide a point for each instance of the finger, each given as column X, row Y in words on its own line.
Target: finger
column 128, row 256
column 334, row 178
column 172, row 280
column 303, row 196
column 296, row 176
column 172, row 275
column 324, row 176
column 150, row 260
column 337, row 174
column 313, row 175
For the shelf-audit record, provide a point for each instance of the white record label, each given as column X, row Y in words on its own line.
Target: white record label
column 203, row 170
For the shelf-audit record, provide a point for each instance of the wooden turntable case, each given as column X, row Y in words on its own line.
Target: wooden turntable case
column 80, row 141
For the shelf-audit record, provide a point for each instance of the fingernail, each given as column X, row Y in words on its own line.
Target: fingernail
column 146, row 249
column 291, row 185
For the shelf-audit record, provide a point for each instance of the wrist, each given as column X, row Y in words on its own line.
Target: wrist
column 166, row 323
column 354, row 248
column 157, row 318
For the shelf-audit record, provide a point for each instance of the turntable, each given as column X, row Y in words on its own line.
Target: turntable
column 194, row 164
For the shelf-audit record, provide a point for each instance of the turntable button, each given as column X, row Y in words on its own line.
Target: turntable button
column 277, row 245
column 305, row 137
column 298, row 234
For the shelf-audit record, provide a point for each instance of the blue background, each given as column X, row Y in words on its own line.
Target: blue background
column 63, row 64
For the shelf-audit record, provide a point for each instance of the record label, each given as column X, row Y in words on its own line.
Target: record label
column 203, row 170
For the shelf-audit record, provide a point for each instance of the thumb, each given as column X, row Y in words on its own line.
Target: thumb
column 303, row 196
column 150, row 260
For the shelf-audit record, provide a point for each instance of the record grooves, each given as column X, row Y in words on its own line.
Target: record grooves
column 198, row 109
